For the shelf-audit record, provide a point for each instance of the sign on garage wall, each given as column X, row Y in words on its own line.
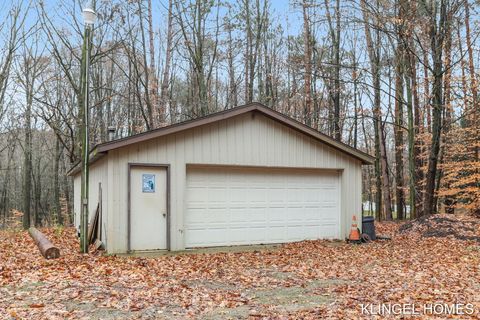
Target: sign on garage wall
column 148, row 183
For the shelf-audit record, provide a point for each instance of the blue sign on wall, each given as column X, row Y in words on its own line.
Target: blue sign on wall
column 148, row 183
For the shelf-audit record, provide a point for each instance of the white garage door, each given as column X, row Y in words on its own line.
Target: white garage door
column 237, row 206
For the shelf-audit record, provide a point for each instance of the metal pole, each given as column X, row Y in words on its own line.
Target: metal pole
column 85, row 151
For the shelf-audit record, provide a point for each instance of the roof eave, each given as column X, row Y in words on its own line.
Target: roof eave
column 93, row 157
column 106, row 146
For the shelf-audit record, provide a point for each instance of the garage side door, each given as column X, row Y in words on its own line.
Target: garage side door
column 238, row 206
column 148, row 208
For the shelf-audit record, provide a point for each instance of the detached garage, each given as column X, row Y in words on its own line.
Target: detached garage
column 247, row 175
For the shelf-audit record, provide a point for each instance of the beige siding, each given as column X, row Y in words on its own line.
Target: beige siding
column 98, row 174
column 247, row 140
column 77, row 189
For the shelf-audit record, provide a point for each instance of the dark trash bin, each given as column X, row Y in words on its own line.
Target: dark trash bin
column 368, row 226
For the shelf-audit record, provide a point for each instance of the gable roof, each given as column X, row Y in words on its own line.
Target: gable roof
column 103, row 148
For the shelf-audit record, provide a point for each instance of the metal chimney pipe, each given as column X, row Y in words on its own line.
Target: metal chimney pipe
column 111, row 133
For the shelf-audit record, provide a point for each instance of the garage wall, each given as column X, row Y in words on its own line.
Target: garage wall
column 77, row 190
column 98, row 174
column 250, row 139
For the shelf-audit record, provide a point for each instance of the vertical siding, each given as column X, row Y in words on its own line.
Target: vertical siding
column 98, row 174
column 111, row 200
column 77, row 189
column 246, row 140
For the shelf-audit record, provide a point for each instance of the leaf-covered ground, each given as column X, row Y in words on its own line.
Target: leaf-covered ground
column 309, row 280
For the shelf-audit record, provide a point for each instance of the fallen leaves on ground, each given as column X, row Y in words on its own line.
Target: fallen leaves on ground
column 463, row 227
column 309, row 279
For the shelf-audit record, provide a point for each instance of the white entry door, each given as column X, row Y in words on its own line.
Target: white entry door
column 239, row 206
column 148, row 208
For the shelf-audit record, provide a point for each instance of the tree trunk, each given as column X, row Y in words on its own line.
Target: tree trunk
column 448, row 116
column 232, row 85
column 426, row 89
column 407, row 74
column 471, row 67
column 411, row 146
column 166, row 70
column 5, row 203
column 56, row 184
column 37, row 192
column 384, row 162
column 475, row 112
column 398, row 130
column 336, row 113
column 465, row 122
column 157, row 112
column 248, row 50
column 307, row 60
column 150, row 123
column 437, row 36
column 66, row 190
column 334, row 82
column 355, row 100
column 27, row 161
column 381, row 163
column 417, row 144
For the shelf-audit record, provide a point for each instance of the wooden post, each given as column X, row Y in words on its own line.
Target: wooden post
column 47, row 249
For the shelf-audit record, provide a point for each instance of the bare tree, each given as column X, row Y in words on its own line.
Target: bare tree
column 167, row 66
column 195, row 40
column 439, row 18
column 13, row 29
column 308, row 62
column 382, row 172
column 334, row 83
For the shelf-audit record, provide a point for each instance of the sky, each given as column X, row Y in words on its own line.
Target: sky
column 281, row 8
column 283, row 11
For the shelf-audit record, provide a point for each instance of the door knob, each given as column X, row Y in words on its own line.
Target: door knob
column 164, row 215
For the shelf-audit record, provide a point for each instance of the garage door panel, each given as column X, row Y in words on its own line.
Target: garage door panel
column 327, row 212
column 329, row 206
column 296, row 233
column 237, row 195
column 257, row 195
column 215, row 205
column 237, row 235
column 296, row 195
column 199, row 236
column 327, row 230
column 312, row 195
column 276, row 196
column 310, row 232
column 258, row 215
column 195, row 216
column 294, row 214
column 312, row 215
column 276, row 215
column 217, row 193
column 213, row 236
column 199, row 193
column 257, row 234
column 217, row 216
column 236, row 215
column 232, row 206
column 277, row 234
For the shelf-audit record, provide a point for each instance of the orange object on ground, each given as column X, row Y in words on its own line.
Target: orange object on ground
column 354, row 232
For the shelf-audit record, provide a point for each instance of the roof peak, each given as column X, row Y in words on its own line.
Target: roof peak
column 227, row 114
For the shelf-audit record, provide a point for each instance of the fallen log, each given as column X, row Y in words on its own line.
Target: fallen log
column 47, row 249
